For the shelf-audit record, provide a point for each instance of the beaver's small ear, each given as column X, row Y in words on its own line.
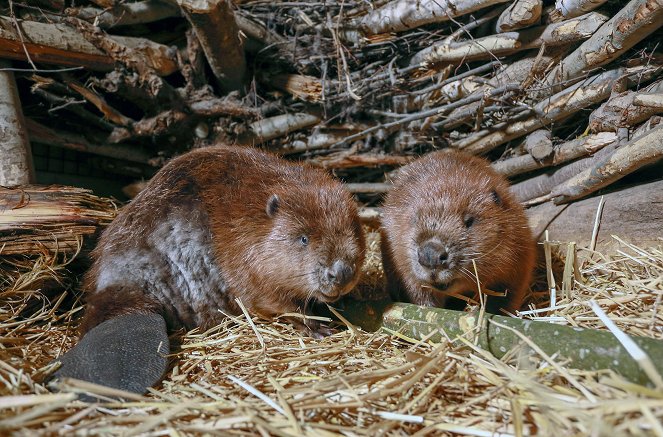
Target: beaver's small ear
column 496, row 198
column 272, row 205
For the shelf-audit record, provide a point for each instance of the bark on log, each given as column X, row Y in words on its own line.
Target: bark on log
column 574, row 8
column 61, row 45
column 541, row 185
column 588, row 349
column 521, row 13
column 16, row 166
column 277, row 126
column 217, row 31
column 635, row 214
column 637, row 20
column 561, row 153
column 553, row 35
column 605, row 170
column 400, row 15
column 627, row 109
column 556, row 108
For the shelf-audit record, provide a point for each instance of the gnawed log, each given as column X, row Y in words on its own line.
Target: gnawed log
column 521, row 13
column 558, row 107
column 59, row 44
column 542, row 184
column 588, row 349
column 278, row 126
column 628, row 158
column 16, row 166
column 34, row 219
column 629, row 108
column 561, row 153
column 400, row 15
column 217, row 31
column 632, row 24
column 634, row 214
column 555, row 34
column 539, row 144
column 574, row 8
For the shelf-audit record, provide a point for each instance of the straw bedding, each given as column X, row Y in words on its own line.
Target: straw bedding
column 264, row 378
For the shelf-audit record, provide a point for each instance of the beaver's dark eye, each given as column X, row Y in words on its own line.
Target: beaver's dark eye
column 469, row 221
column 304, row 240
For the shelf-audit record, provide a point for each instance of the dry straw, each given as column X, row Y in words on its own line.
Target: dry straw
column 249, row 376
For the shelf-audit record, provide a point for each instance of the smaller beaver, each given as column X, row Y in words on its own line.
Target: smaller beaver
column 445, row 212
column 213, row 226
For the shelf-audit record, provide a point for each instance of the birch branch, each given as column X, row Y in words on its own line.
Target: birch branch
column 217, row 31
column 561, row 105
column 400, row 15
column 16, row 166
column 556, row 34
column 561, row 153
column 637, row 20
column 277, row 126
column 623, row 161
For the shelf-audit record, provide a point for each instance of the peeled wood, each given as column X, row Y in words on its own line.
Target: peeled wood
column 56, row 219
column 556, row 108
column 217, row 31
column 553, row 35
column 561, row 153
column 631, row 213
column 15, row 154
column 59, row 44
column 625, row 160
column 543, row 184
column 539, row 144
column 587, row 349
column 637, row 20
column 277, row 126
column 521, row 13
column 573, row 8
column 400, row 15
column 627, row 109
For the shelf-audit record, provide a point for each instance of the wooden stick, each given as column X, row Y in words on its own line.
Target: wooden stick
column 60, row 45
column 626, row 109
column 543, row 184
column 400, row 15
column 605, row 170
column 16, row 166
column 565, row 9
column 521, row 13
column 555, row 34
column 277, row 126
column 562, row 153
column 637, row 20
column 217, row 31
column 556, row 108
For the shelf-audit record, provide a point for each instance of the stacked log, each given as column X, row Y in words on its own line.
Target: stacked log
column 565, row 99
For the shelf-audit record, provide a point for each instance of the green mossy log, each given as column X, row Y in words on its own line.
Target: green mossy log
column 585, row 349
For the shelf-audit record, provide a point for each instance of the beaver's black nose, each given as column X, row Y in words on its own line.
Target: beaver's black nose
column 340, row 273
column 433, row 254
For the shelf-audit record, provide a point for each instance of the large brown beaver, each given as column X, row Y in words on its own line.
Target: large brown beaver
column 214, row 225
column 445, row 211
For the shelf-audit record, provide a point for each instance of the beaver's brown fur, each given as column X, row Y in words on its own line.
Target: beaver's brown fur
column 222, row 223
column 444, row 211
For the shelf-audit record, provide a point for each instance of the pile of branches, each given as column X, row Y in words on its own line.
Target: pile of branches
column 356, row 86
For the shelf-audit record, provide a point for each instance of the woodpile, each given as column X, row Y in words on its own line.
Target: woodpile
column 564, row 98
